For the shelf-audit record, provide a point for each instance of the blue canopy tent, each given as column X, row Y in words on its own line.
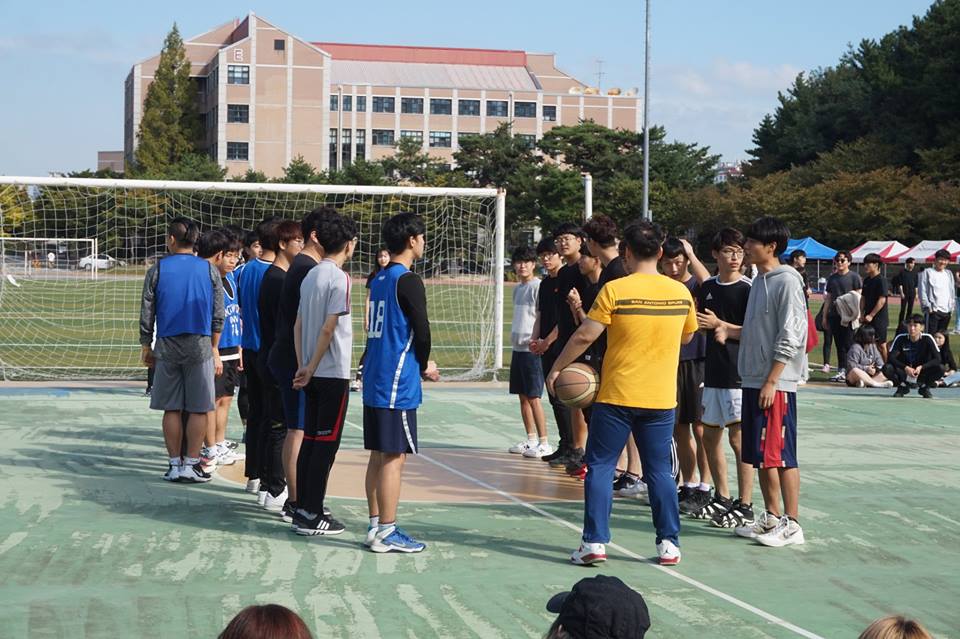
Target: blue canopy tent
column 814, row 250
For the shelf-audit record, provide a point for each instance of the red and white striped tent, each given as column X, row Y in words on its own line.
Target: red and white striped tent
column 923, row 252
column 884, row 248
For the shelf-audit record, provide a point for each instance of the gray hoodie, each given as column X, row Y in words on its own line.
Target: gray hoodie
column 775, row 328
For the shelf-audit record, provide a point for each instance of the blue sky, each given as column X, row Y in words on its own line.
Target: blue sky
column 717, row 66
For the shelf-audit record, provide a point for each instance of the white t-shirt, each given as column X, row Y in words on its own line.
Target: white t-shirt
column 524, row 314
column 325, row 291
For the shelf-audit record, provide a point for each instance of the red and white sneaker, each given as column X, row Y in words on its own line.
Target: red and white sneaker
column 668, row 553
column 588, row 554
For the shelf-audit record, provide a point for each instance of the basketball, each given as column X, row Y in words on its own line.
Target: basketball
column 577, row 385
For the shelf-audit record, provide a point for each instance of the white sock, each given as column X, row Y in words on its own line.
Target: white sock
column 174, row 461
column 543, row 441
column 375, row 521
column 704, row 487
column 691, row 484
column 386, row 529
column 531, row 438
column 191, row 461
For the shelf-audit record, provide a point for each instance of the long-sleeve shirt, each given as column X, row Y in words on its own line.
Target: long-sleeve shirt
column 937, row 290
column 860, row 357
column 412, row 297
column 923, row 352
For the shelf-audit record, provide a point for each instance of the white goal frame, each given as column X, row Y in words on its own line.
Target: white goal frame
column 50, row 240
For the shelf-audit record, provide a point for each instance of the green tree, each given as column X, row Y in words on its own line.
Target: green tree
column 409, row 163
column 299, row 171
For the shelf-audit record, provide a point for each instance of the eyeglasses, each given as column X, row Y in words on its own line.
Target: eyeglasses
column 732, row 252
column 564, row 239
column 840, row 260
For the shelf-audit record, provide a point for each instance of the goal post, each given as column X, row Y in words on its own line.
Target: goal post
column 60, row 319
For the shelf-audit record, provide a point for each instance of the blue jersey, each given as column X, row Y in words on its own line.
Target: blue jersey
column 184, row 296
column 249, row 296
column 391, row 372
column 232, row 324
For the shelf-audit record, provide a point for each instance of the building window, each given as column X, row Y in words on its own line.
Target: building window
column 238, row 113
column 345, row 147
column 416, row 135
column 332, row 155
column 441, row 106
column 348, row 103
column 383, row 137
column 440, row 139
column 334, row 102
column 238, row 151
column 408, row 105
column 528, row 140
column 383, row 105
column 238, row 74
column 497, row 108
column 361, row 103
column 525, row 109
column 468, row 107
column 279, row 45
column 549, row 113
column 361, row 136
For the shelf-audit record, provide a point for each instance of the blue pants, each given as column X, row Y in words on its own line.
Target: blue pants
column 610, row 426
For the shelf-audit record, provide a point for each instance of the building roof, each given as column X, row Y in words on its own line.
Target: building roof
column 429, row 55
column 420, row 74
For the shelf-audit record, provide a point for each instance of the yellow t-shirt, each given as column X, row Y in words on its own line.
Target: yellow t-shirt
column 645, row 316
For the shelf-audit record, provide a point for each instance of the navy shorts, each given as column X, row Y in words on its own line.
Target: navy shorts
column 526, row 374
column 390, row 430
column 769, row 437
column 293, row 401
column 224, row 385
column 690, row 391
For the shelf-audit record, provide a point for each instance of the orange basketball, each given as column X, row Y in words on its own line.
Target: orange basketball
column 577, row 385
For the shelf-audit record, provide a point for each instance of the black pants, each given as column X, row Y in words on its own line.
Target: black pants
column 938, row 322
column 927, row 376
column 843, row 337
column 906, row 307
column 254, row 412
column 150, row 373
column 324, row 415
column 561, row 412
column 273, row 431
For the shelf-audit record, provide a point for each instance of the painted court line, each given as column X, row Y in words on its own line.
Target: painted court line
column 783, row 623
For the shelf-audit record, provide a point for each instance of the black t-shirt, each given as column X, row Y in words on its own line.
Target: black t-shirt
column 547, row 305
column 906, row 279
column 729, row 303
column 838, row 285
column 697, row 348
column 875, row 288
column 269, row 303
column 569, row 278
column 612, row 271
column 283, row 353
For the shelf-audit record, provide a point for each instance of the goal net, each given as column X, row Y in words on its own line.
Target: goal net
column 73, row 254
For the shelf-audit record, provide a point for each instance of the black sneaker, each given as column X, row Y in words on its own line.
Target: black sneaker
column 625, row 480
column 901, row 391
column 574, row 461
column 925, row 392
column 288, row 510
column 719, row 504
column 148, row 391
column 319, row 525
column 696, row 501
column 739, row 515
column 194, row 474
column 684, row 493
column 557, row 454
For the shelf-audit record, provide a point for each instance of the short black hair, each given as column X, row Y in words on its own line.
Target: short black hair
column 568, row 228
column 585, row 251
column 213, row 242
column 602, row 230
column 287, row 231
column 727, row 237
column 866, row 334
column 398, row 230
column 547, row 245
column 311, row 221
column 184, row 232
column 872, row 258
column 916, row 318
column 797, row 253
column 250, row 238
column 942, row 254
column 910, row 260
column 644, row 239
column 770, row 230
column 843, row 253
column 267, row 233
column 673, row 247
column 523, row 254
column 334, row 231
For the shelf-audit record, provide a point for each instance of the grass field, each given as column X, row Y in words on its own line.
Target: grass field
column 94, row 545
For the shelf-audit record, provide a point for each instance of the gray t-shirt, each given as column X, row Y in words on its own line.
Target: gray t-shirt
column 325, row 291
column 524, row 314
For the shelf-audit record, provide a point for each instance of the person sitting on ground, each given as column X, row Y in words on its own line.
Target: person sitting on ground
column 895, row 627
column 864, row 362
column 271, row 621
column 913, row 358
column 950, row 375
column 599, row 607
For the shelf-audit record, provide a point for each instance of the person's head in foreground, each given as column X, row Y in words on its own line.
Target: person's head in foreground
column 599, row 607
column 266, row 622
column 895, row 627
column 766, row 240
column 940, row 259
column 915, row 327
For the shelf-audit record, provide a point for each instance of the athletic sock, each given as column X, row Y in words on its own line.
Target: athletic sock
column 384, row 530
column 191, row 461
column 691, row 484
column 544, row 441
column 704, row 487
column 375, row 521
column 175, row 461
column 531, row 438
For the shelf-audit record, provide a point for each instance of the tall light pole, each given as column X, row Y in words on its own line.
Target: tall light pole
column 646, row 118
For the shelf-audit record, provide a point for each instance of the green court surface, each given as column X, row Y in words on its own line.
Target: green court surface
column 94, row 544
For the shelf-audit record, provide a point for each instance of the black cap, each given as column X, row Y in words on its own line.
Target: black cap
column 601, row 607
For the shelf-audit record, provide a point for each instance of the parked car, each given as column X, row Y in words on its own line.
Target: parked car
column 102, row 261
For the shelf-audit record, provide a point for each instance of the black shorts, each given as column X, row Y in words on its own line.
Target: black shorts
column 689, row 391
column 225, row 384
column 526, row 374
column 881, row 329
column 390, row 430
column 325, row 409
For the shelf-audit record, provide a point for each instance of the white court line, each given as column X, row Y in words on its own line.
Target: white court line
column 783, row 623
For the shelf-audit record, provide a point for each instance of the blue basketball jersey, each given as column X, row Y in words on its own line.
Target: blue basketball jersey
column 184, row 296
column 232, row 324
column 391, row 372
column 249, row 296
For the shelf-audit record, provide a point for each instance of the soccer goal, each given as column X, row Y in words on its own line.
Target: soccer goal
column 73, row 253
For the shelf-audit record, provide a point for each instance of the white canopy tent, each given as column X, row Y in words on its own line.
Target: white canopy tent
column 886, row 249
column 923, row 252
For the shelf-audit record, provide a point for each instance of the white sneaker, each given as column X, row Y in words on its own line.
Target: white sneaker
column 261, row 496
column 275, row 504
column 355, row 386
column 826, row 368
column 886, row 384
column 253, row 486
column 522, row 447
column 668, row 553
column 173, row 473
column 228, row 457
column 761, row 526
column 193, row 474
column 841, row 376
column 637, row 491
column 538, row 451
column 371, row 535
column 588, row 554
column 787, row 533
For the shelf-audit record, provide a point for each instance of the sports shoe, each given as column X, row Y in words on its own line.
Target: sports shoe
column 355, row 386
column 696, row 501
column 194, row 474
column 637, row 491
column 684, row 493
column 522, row 447
column 173, row 473
column 232, row 445
column 588, row 554
column 574, row 461
column 228, row 457
column 538, row 451
column 557, row 453
column 901, row 391
column 261, row 496
column 668, row 553
column 253, row 486
column 761, row 526
column 925, row 392
column 396, row 540
column 826, row 368
column 208, row 458
column 718, row 505
column 275, row 503
column 886, row 384
column 147, row 391
column 319, row 524
column 288, row 511
column 787, row 533
column 737, row 516
column 560, row 461
column 841, row 376
column 580, row 472
column 626, row 480
column 371, row 535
